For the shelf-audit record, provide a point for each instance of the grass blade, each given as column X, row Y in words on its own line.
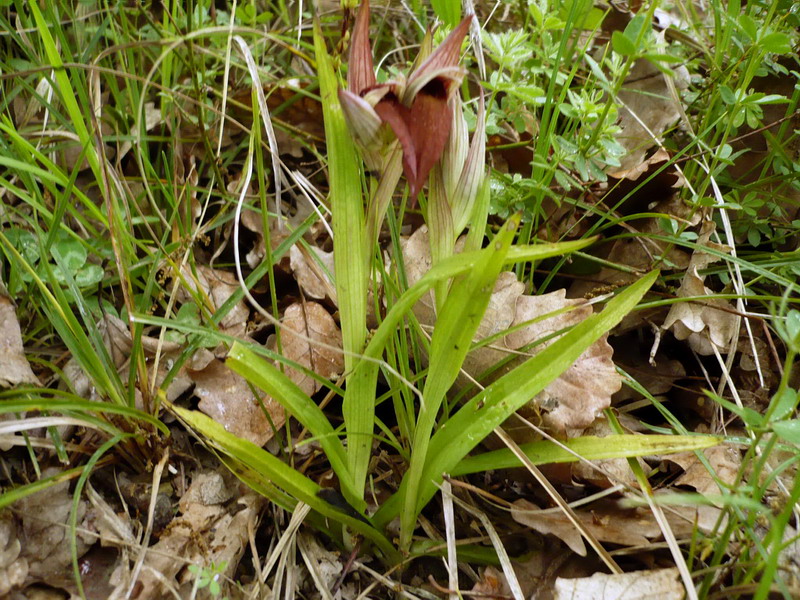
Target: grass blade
column 11, row 404
column 266, row 376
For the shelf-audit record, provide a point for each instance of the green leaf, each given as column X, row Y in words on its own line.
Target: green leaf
column 72, row 253
column 793, row 327
column 788, row 430
column 633, row 30
column 89, row 275
column 449, row 11
column 587, row 447
column 622, row 45
column 783, row 404
column 25, row 242
column 452, row 338
column 488, row 409
column 351, row 254
column 66, row 91
column 267, row 377
column 664, row 58
column 769, row 99
column 727, row 95
column 776, row 42
column 749, row 27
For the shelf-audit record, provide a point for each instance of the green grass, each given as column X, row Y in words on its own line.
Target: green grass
column 132, row 139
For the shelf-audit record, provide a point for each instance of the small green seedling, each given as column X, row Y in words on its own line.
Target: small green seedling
column 208, row 577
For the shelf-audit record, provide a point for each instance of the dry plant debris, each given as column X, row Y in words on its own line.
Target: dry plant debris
column 14, row 367
column 661, row 583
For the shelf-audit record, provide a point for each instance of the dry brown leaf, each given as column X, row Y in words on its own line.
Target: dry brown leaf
column 179, row 384
column 573, row 400
column 327, row 563
column 664, row 584
column 724, row 460
column 45, row 529
column 119, row 343
column 702, row 324
column 217, row 285
column 310, row 275
column 14, row 367
column 13, row 568
column 226, row 398
column 640, row 170
column 26, row 106
column 536, row 573
column 311, row 320
column 114, row 528
column 607, row 520
column 253, row 221
column 492, row 584
column 152, row 118
column 208, row 530
column 648, row 105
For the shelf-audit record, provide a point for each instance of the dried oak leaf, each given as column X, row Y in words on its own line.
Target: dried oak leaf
column 226, row 398
column 311, row 276
column 702, row 324
column 217, row 285
column 114, row 528
column 313, row 322
column 14, row 367
column 45, row 529
column 13, row 569
column 279, row 230
column 327, row 564
column 119, row 343
column 664, row 584
column 649, row 108
column 724, row 460
column 579, row 394
column 609, row 524
column 607, row 520
column 210, row 529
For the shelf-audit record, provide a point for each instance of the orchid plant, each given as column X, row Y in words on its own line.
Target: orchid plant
column 388, row 123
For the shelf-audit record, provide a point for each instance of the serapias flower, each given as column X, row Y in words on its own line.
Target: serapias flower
column 417, row 110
